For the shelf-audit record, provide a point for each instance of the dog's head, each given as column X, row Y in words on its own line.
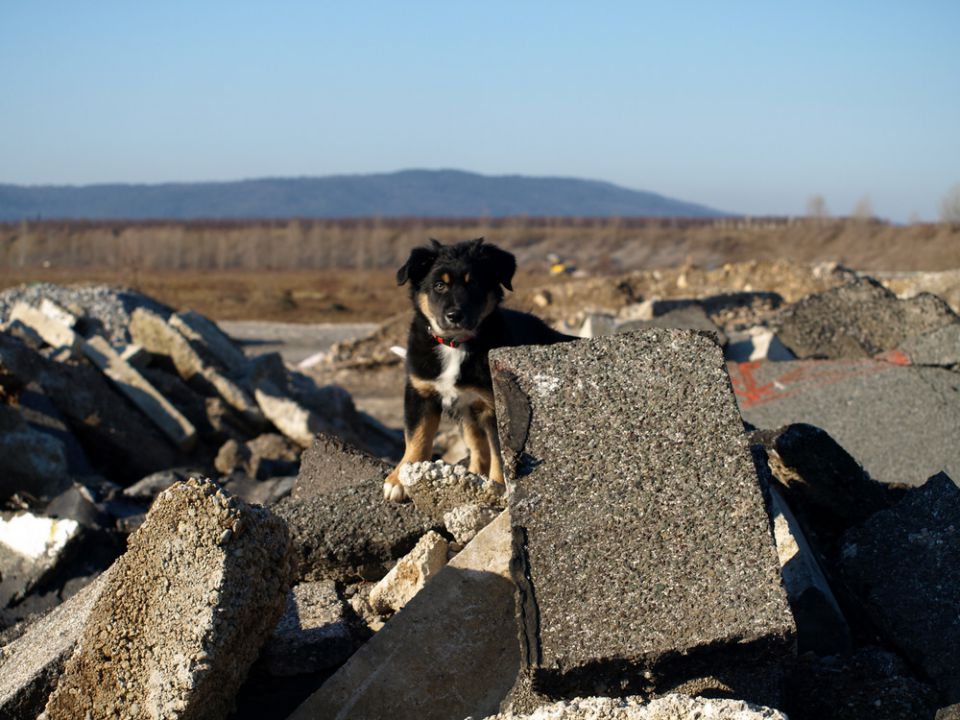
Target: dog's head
column 457, row 286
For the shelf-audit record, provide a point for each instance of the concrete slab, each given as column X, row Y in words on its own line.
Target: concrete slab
column 450, row 653
column 899, row 422
column 199, row 329
column 904, row 565
column 644, row 553
column 140, row 392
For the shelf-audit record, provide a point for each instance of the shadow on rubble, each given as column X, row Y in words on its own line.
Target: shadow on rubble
column 732, row 670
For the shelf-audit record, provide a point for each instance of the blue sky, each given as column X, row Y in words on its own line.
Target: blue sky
column 745, row 106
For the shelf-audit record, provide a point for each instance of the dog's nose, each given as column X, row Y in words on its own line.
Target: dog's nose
column 454, row 316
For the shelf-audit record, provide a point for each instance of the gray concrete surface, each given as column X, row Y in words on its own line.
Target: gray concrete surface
column 900, row 422
column 645, row 557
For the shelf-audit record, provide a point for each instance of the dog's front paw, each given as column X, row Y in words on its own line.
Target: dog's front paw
column 392, row 489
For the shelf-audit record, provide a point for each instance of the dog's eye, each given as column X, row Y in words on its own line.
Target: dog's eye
column 440, row 287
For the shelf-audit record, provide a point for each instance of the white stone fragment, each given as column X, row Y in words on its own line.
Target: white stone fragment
column 37, row 537
column 54, row 333
column 410, row 574
column 668, row 707
column 465, row 521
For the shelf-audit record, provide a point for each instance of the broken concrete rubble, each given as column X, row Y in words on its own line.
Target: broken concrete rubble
column 265, row 456
column 684, row 586
column 184, row 612
column 140, row 392
column 330, row 464
column 54, row 333
column 668, row 707
column 122, row 442
column 31, row 665
column 821, row 626
column 410, row 574
column 463, row 665
column 436, row 488
column 349, row 532
column 154, row 333
column 314, row 633
column 940, row 346
column 904, row 565
column 31, row 462
column 869, row 683
column 200, row 330
column 828, row 489
column 871, row 408
column 858, row 320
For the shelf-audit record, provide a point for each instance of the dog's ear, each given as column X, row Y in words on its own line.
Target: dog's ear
column 417, row 266
column 499, row 263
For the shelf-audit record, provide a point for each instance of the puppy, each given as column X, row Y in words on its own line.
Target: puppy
column 456, row 292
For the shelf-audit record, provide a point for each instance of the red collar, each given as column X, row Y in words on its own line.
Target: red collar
column 446, row 341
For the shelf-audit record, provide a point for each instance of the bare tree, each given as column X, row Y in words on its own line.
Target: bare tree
column 863, row 210
column 950, row 205
column 817, row 207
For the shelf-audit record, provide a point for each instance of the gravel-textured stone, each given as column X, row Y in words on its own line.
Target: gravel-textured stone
column 688, row 317
column 644, row 550
column 314, row 633
column 105, row 310
column 858, row 320
column 183, row 614
column 31, row 664
column 410, row 574
column 900, row 423
column 330, row 464
column 904, row 565
column 465, row 521
column 437, row 487
column 668, row 707
column 350, row 532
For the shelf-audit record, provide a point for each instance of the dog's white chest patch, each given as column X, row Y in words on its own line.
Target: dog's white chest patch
column 446, row 383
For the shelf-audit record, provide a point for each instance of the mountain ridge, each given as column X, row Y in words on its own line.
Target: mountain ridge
column 404, row 193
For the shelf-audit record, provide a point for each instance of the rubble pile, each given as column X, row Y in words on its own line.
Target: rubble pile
column 715, row 507
column 107, row 398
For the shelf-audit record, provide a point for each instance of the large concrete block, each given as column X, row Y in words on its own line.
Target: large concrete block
column 645, row 557
column 31, row 664
column 899, row 422
column 858, row 320
column 449, row 653
column 183, row 614
column 904, row 565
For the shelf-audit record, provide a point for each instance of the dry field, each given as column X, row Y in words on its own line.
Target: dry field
column 343, row 271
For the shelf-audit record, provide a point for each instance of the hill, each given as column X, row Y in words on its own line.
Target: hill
column 408, row 193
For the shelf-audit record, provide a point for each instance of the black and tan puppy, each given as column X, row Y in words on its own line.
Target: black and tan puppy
column 456, row 292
